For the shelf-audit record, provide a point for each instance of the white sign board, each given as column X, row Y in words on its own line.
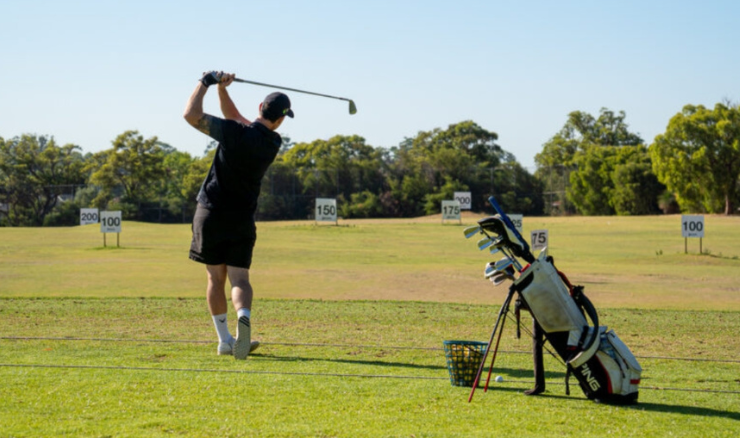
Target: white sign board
column 538, row 239
column 326, row 210
column 517, row 220
column 465, row 199
column 450, row 211
column 88, row 216
column 692, row 225
column 110, row 221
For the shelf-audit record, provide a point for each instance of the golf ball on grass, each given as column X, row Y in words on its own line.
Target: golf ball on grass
column 499, row 379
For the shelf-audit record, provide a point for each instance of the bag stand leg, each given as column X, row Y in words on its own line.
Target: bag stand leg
column 501, row 314
column 538, row 343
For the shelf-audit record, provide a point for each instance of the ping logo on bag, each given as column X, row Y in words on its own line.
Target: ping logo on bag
column 592, row 382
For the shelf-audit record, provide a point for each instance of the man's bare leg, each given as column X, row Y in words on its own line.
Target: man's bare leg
column 241, row 298
column 216, row 298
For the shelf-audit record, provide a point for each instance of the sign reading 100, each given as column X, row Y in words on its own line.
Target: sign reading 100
column 692, row 225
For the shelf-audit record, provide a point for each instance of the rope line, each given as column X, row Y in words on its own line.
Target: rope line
column 299, row 344
column 207, row 370
column 288, row 373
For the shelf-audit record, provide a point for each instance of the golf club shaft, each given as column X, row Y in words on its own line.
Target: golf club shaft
column 289, row 89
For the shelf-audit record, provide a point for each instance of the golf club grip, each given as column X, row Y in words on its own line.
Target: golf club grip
column 289, row 89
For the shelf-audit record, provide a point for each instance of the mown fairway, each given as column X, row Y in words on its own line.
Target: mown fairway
column 622, row 261
column 333, row 368
column 362, row 356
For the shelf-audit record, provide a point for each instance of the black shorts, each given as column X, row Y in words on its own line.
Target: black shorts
column 222, row 238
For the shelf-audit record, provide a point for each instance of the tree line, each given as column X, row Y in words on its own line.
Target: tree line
column 593, row 166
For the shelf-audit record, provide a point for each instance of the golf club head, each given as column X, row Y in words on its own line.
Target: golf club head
column 503, row 264
column 352, row 107
column 471, row 231
column 489, row 271
column 484, row 243
column 498, row 279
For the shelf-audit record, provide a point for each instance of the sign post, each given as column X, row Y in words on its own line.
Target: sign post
column 110, row 222
column 326, row 210
column 451, row 211
column 692, row 226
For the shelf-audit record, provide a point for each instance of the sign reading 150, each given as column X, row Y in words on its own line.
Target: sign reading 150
column 326, row 210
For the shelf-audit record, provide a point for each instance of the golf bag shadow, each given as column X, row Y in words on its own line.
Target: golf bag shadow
column 605, row 368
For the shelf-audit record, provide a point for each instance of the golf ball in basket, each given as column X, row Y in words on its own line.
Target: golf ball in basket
column 499, row 379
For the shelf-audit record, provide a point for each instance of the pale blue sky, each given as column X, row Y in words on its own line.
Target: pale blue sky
column 86, row 71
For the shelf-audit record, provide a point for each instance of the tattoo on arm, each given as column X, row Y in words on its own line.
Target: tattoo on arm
column 204, row 124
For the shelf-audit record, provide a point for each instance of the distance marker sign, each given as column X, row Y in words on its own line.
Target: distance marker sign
column 88, row 216
column 110, row 221
column 326, row 210
column 450, row 211
column 517, row 220
column 692, row 225
column 464, row 198
column 538, row 239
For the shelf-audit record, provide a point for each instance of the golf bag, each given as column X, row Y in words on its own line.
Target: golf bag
column 605, row 368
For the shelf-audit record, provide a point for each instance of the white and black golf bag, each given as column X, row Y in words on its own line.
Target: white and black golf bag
column 605, row 368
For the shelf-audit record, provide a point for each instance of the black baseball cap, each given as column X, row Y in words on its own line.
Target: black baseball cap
column 276, row 105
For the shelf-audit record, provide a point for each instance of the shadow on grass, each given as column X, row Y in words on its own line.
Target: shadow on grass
column 648, row 407
column 686, row 410
column 511, row 372
column 389, row 364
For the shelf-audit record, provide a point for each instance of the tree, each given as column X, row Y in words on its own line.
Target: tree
column 133, row 171
column 337, row 167
column 590, row 184
column 698, row 157
column 34, row 172
column 463, row 155
column 557, row 159
column 636, row 190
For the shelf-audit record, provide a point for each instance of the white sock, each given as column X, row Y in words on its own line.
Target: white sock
column 243, row 312
column 222, row 328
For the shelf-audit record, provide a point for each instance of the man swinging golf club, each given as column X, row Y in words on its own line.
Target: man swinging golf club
column 224, row 231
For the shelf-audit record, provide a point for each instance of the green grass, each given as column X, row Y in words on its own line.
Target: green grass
column 624, row 262
column 333, row 304
column 355, row 383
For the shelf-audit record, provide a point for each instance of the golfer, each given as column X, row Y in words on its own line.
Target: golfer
column 224, row 231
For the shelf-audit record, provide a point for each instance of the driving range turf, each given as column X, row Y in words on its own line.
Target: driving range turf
column 117, row 341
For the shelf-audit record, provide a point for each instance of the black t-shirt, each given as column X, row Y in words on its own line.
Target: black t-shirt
column 244, row 153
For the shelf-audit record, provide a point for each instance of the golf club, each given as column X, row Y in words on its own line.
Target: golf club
column 352, row 107
column 471, row 231
column 484, row 243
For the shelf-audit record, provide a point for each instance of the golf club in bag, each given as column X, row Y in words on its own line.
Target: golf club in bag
column 604, row 366
column 352, row 106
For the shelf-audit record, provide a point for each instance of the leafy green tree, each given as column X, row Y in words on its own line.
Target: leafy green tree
column 591, row 183
column 558, row 157
column 517, row 190
column 177, row 166
column 34, row 172
column 635, row 188
column 337, row 167
column 462, row 155
column 698, row 157
column 365, row 204
column 132, row 172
